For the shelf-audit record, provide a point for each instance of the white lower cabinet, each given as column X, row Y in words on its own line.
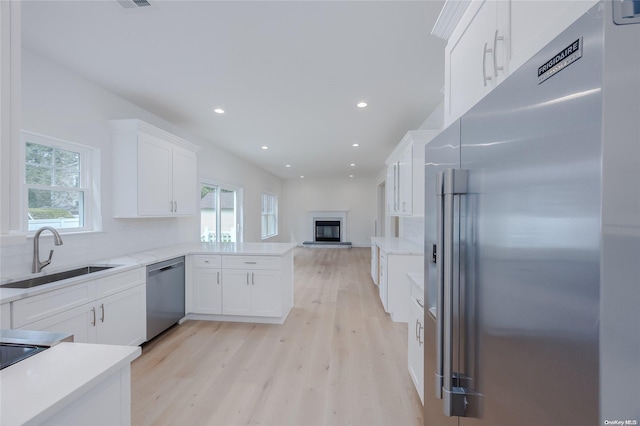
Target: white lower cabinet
column 246, row 288
column 206, row 290
column 251, row 292
column 121, row 318
column 118, row 318
column 415, row 348
column 394, row 286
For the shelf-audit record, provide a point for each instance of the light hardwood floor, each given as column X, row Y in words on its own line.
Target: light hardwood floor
column 337, row 360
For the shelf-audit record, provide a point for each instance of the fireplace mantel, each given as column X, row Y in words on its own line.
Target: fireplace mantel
column 338, row 215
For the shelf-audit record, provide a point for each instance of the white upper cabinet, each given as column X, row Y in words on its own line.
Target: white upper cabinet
column 154, row 172
column 476, row 56
column 405, row 174
column 491, row 39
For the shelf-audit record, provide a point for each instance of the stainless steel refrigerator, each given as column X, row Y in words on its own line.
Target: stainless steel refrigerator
column 532, row 239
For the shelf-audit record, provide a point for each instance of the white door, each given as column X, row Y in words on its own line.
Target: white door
column 155, row 186
column 184, row 182
column 266, row 297
column 122, row 317
column 236, row 292
column 207, row 291
column 80, row 321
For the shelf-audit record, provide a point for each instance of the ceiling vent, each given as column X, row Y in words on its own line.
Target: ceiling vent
column 133, row 4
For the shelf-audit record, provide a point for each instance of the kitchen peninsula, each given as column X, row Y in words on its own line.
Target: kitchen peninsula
column 81, row 380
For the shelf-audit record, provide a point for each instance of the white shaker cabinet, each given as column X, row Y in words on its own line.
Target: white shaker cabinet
column 108, row 310
column 242, row 287
column 206, row 289
column 251, row 286
column 154, row 172
column 491, row 39
column 405, row 174
column 395, row 258
column 476, row 56
column 415, row 348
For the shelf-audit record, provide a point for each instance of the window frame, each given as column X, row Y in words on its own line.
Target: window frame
column 88, row 185
column 239, row 237
column 272, row 200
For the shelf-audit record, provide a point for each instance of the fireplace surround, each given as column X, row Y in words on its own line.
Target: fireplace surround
column 328, row 226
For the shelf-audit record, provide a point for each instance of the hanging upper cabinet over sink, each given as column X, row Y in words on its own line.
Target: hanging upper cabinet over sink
column 154, row 172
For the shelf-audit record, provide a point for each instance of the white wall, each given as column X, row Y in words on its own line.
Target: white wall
column 435, row 119
column 356, row 196
column 58, row 103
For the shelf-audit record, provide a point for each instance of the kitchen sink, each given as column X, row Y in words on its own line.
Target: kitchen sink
column 10, row 353
column 58, row 276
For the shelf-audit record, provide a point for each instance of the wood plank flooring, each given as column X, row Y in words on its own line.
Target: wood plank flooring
column 337, row 360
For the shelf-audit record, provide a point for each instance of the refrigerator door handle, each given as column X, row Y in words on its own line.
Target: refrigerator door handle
column 439, row 282
column 454, row 182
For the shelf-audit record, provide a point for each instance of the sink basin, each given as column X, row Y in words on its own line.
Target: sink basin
column 10, row 353
column 46, row 279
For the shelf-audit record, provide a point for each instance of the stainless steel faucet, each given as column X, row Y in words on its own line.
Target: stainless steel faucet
column 57, row 239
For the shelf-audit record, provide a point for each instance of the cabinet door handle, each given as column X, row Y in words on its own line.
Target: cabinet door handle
column 102, row 312
column 176, row 207
column 496, row 68
column 171, row 206
column 253, row 278
column 420, row 328
column 484, row 65
column 417, row 332
column 93, row 323
column 218, row 277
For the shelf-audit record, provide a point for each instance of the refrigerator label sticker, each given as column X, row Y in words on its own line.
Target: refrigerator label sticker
column 560, row 61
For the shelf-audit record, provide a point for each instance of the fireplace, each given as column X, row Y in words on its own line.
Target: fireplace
column 327, row 230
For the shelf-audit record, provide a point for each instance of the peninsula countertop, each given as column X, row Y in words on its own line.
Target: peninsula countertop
column 135, row 260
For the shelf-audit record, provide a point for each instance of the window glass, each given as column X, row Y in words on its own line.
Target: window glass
column 269, row 215
column 56, row 184
column 219, row 214
column 208, row 214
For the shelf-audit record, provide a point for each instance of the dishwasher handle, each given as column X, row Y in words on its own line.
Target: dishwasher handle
column 164, row 268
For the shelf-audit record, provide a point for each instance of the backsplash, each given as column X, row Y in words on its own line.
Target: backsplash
column 412, row 229
column 131, row 236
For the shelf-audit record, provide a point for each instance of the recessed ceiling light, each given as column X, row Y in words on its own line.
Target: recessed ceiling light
column 288, row 165
column 301, row 177
column 350, row 176
column 264, row 147
column 361, row 104
column 355, row 145
column 218, row 111
column 352, row 164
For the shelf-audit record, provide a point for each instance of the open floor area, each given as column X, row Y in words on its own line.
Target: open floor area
column 338, row 359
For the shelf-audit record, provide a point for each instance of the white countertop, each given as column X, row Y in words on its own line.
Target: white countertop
column 39, row 386
column 397, row 246
column 135, row 260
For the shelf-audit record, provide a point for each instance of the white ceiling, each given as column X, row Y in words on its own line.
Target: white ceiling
column 287, row 73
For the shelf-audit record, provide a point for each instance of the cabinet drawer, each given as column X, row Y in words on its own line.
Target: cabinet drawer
column 31, row 309
column 251, row 262
column 207, row 261
column 118, row 282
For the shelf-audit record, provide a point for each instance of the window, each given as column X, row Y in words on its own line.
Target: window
column 219, row 213
column 269, row 215
column 57, row 178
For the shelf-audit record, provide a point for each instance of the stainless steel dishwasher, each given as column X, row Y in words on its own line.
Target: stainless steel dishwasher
column 165, row 295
